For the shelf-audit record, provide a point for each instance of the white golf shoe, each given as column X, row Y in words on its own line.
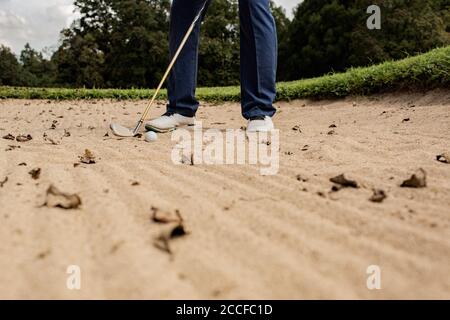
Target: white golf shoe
column 168, row 122
column 260, row 124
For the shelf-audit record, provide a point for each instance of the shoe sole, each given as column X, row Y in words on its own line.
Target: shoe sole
column 159, row 130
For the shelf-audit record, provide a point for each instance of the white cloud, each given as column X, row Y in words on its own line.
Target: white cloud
column 5, row 43
column 289, row 5
column 11, row 20
column 60, row 14
column 13, row 28
column 35, row 21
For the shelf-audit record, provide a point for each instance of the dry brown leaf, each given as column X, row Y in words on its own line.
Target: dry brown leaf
column 378, row 195
column 2, row 183
column 11, row 147
column 301, row 178
column 88, row 157
column 66, row 134
column 35, row 173
column 58, row 199
column 321, row 194
column 174, row 228
column 336, row 188
column 44, row 254
column 159, row 216
column 344, row 182
column 173, row 231
column 444, row 158
column 24, row 138
column 417, row 180
column 9, row 136
column 48, row 139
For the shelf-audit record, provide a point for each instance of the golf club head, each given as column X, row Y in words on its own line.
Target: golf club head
column 121, row 131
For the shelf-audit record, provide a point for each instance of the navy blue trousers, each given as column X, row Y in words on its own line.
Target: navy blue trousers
column 258, row 58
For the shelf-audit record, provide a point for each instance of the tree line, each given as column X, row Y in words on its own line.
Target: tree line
column 124, row 43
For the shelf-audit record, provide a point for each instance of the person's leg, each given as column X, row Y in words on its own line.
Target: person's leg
column 258, row 58
column 183, row 77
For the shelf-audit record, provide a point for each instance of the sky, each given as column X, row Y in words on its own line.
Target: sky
column 39, row 22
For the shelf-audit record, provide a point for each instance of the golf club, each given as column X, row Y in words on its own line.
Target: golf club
column 122, row 131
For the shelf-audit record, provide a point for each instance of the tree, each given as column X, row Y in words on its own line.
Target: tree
column 124, row 43
column 79, row 61
column 116, row 43
column 219, row 56
column 283, row 24
column 408, row 28
column 9, row 67
column 219, row 45
column 138, row 54
column 331, row 35
column 318, row 39
column 36, row 71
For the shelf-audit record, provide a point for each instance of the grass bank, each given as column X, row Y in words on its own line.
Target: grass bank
column 427, row 71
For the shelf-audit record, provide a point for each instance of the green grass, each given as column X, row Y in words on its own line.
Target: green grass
column 426, row 71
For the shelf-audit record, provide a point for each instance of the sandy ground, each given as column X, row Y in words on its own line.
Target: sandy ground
column 251, row 236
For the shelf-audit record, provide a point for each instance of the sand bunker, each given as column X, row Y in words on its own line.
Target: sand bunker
column 249, row 236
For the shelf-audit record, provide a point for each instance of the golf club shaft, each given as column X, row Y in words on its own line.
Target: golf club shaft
column 166, row 74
